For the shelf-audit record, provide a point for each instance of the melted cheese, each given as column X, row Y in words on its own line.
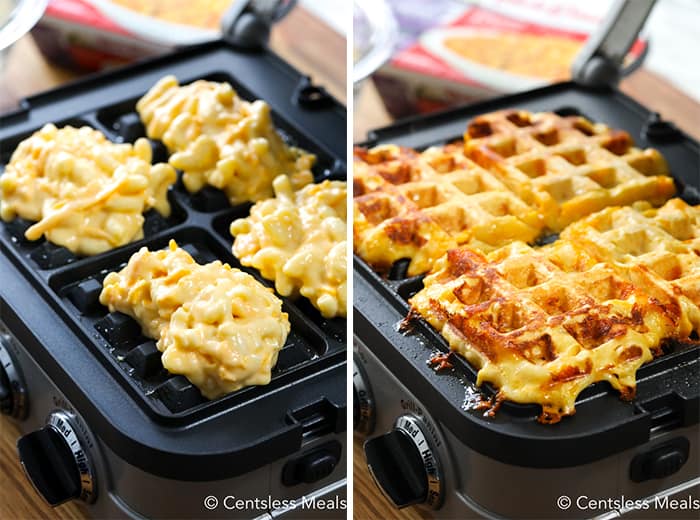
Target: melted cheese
column 417, row 206
column 516, row 176
column 298, row 239
column 219, row 139
column 86, row 193
column 534, row 357
column 543, row 324
column 215, row 325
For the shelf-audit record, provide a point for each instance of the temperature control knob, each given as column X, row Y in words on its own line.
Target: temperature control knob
column 13, row 393
column 56, row 462
column 363, row 401
column 405, row 465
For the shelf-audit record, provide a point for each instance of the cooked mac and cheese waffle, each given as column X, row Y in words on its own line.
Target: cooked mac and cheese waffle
column 543, row 324
column 411, row 205
column 298, row 239
column 84, row 192
column 215, row 325
column 219, row 139
column 665, row 241
column 567, row 164
column 519, row 174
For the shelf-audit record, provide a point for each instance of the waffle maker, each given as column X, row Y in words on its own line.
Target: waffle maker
column 103, row 422
column 427, row 445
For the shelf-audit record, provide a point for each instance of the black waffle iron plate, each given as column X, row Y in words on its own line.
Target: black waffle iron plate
column 100, row 361
column 668, row 387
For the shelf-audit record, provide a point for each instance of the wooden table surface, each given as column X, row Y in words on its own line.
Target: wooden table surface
column 321, row 53
column 647, row 88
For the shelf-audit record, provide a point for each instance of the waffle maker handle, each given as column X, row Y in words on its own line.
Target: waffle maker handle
column 599, row 64
column 248, row 24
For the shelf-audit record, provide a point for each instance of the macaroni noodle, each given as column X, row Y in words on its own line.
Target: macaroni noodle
column 86, row 193
column 215, row 325
column 217, row 138
column 299, row 240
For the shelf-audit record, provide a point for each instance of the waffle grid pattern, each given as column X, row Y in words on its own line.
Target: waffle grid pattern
column 566, row 166
column 517, row 175
column 417, row 206
column 543, row 324
column 539, row 323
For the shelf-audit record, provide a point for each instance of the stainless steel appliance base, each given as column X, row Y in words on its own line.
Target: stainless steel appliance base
column 476, row 486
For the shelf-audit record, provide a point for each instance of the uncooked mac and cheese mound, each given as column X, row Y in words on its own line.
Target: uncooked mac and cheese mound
column 219, row 139
column 84, row 192
column 298, row 239
column 214, row 324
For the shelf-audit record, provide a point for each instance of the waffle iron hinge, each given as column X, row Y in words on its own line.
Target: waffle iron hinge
column 247, row 24
column 600, row 62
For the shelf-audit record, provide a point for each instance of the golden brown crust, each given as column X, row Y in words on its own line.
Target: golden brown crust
column 539, row 324
column 515, row 175
column 411, row 205
column 567, row 167
column 543, row 324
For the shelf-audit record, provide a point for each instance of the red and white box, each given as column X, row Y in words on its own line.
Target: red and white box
column 97, row 34
column 470, row 52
